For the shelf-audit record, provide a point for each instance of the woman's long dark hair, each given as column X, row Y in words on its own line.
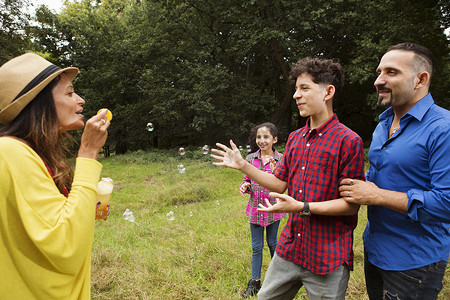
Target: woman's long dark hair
column 252, row 137
column 38, row 125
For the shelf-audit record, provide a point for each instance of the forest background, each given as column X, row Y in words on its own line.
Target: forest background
column 203, row 71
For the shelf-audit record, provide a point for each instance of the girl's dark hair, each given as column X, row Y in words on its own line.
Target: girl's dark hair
column 252, row 137
column 38, row 125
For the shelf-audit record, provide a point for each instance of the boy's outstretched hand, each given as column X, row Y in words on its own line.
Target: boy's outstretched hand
column 285, row 204
column 231, row 158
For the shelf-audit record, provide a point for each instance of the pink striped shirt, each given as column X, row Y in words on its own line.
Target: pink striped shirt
column 258, row 194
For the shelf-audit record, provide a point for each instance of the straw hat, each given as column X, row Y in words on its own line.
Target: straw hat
column 21, row 80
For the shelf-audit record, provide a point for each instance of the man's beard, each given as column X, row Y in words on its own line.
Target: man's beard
column 381, row 98
column 385, row 104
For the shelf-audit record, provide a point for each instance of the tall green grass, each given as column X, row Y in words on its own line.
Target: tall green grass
column 204, row 253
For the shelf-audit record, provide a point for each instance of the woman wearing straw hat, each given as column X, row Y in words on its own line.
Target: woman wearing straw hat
column 46, row 211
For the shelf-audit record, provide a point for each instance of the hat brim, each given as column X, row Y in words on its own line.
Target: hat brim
column 13, row 109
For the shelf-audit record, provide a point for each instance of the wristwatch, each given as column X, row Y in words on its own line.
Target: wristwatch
column 305, row 212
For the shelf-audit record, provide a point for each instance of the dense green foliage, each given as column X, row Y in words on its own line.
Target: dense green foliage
column 13, row 22
column 204, row 71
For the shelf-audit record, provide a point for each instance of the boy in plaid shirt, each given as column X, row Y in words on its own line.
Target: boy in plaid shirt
column 315, row 247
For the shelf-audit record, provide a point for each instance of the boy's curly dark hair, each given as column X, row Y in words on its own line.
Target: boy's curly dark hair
column 322, row 71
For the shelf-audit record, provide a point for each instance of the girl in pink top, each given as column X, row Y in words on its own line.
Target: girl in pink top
column 263, row 156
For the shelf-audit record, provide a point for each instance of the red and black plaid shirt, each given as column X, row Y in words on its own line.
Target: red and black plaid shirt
column 313, row 164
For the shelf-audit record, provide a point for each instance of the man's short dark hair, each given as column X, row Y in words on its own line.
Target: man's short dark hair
column 423, row 60
column 322, row 71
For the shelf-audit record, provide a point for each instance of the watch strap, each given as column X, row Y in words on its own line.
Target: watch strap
column 305, row 212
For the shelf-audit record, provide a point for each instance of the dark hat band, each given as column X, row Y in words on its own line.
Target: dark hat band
column 38, row 79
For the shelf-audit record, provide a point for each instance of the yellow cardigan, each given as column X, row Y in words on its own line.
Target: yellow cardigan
column 46, row 238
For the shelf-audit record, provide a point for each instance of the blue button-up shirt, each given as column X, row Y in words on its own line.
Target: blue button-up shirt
column 415, row 161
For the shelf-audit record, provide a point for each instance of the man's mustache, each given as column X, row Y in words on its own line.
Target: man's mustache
column 384, row 89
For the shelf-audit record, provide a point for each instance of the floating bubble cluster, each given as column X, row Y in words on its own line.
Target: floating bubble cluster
column 181, row 169
column 181, row 151
column 170, row 216
column 150, row 127
column 128, row 215
column 205, row 149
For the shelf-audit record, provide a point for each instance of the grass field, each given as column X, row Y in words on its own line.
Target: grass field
column 204, row 253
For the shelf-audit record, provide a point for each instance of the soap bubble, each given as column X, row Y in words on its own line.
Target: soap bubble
column 190, row 214
column 205, row 149
column 181, row 151
column 249, row 149
column 181, row 169
column 150, row 127
column 170, row 216
column 217, row 202
column 128, row 215
column 240, row 148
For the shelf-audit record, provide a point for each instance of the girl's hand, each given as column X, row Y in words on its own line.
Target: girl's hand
column 231, row 158
column 94, row 135
column 285, row 204
column 273, row 165
column 244, row 188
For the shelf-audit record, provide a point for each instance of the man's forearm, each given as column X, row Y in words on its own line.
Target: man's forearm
column 396, row 201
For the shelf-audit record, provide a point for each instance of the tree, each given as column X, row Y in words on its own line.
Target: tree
column 13, row 22
column 203, row 70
